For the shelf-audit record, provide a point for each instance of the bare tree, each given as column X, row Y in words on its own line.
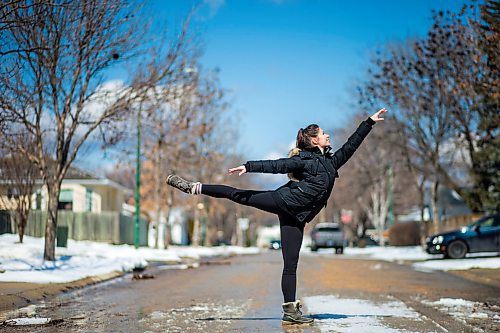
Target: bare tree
column 55, row 93
column 182, row 127
column 9, row 21
column 363, row 186
column 20, row 177
column 445, row 87
column 412, row 81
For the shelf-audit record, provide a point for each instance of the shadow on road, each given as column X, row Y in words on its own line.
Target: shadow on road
column 243, row 318
column 318, row 316
column 324, row 316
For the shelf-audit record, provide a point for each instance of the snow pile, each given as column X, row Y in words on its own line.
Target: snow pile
column 424, row 261
column 24, row 262
column 454, row 264
column 26, row 321
column 333, row 314
column 463, row 309
column 390, row 253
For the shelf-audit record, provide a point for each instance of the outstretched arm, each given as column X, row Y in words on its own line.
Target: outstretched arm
column 240, row 169
column 342, row 155
column 377, row 115
column 282, row 165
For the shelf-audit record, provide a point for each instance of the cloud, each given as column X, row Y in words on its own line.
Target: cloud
column 213, row 7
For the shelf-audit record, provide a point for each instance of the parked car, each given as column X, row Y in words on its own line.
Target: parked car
column 275, row 244
column 327, row 235
column 480, row 236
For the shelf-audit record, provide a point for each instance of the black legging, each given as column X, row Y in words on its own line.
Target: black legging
column 292, row 231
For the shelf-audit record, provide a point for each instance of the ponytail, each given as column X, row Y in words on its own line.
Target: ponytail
column 304, row 136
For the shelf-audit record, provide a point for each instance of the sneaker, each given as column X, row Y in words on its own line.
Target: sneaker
column 181, row 184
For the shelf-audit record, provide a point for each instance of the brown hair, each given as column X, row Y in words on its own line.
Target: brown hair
column 305, row 135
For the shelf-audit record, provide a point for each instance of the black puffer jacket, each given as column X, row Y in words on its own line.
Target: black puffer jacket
column 316, row 172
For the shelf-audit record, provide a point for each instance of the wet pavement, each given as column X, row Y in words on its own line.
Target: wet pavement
column 242, row 294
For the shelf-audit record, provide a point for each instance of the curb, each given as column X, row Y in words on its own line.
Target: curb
column 30, row 293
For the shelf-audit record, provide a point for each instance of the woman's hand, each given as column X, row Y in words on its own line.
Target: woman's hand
column 377, row 116
column 241, row 169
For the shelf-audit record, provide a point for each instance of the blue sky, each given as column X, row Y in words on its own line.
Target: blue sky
column 289, row 63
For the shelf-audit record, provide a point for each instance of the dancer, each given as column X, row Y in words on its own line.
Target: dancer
column 312, row 170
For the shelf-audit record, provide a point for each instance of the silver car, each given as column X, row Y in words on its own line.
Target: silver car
column 327, row 235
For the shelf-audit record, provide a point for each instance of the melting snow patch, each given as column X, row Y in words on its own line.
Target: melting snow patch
column 335, row 314
column 462, row 309
column 26, row 321
column 453, row 264
column 180, row 266
column 157, row 315
column 198, row 317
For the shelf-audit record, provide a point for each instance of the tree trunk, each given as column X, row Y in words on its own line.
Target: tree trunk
column 322, row 215
column 196, row 228
column 21, row 225
column 51, row 224
column 170, row 204
column 158, row 192
column 434, row 206
column 20, row 231
column 424, row 227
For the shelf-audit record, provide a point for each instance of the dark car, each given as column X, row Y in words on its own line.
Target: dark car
column 327, row 235
column 480, row 236
column 275, row 244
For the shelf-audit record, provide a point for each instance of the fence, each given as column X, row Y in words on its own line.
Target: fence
column 110, row 227
column 408, row 233
column 451, row 223
column 456, row 222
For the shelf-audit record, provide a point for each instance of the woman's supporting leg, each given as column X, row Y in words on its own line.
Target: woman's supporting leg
column 292, row 233
column 259, row 199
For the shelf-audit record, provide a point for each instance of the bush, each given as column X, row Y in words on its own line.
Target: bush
column 404, row 234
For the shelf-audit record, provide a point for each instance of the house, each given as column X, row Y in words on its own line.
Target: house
column 92, row 208
column 449, row 205
column 80, row 192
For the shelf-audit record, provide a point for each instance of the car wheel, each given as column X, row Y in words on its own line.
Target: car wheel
column 339, row 250
column 456, row 250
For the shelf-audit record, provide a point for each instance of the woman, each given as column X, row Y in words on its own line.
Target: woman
column 313, row 169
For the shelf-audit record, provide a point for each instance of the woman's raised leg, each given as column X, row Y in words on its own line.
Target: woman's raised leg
column 262, row 200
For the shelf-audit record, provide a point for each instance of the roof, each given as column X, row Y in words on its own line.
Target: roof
column 85, row 178
column 96, row 182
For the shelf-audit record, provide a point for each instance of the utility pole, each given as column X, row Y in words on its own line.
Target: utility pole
column 138, row 180
column 390, row 216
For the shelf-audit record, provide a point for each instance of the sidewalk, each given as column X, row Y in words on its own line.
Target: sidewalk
column 14, row 295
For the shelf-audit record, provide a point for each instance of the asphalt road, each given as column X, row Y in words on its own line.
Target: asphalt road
column 242, row 294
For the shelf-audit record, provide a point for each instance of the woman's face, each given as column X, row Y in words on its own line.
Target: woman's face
column 322, row 140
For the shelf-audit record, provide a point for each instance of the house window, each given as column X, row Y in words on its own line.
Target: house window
column 38, row 200
column 65, row 200
column 88, row 200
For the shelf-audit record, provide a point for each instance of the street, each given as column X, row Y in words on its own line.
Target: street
column 242, row 294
